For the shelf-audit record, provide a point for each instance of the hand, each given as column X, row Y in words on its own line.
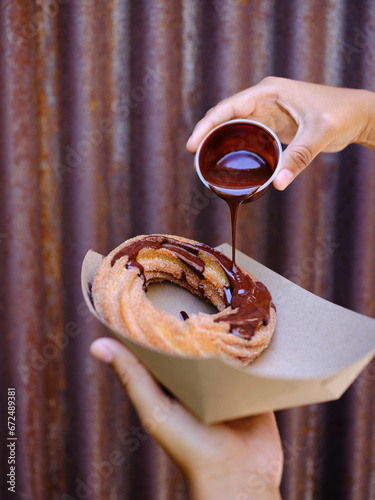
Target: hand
column 239, row 460
column 310, row 118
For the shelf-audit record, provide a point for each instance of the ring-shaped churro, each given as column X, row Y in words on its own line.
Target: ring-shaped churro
column 238, row 333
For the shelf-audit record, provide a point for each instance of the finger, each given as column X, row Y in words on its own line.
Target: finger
column 265, row 422
column 165, row 419
column 263, row 428
column 143, row 390
column 223, row 112
column 240, row 105
column 305, row 146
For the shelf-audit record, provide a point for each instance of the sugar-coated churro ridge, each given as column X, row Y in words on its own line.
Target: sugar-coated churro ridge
column 238, row 333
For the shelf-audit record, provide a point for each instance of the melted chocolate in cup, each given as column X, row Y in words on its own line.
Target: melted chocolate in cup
column 238, row 160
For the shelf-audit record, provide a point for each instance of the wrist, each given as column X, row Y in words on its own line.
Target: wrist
column 366, row 136
column 233, row 487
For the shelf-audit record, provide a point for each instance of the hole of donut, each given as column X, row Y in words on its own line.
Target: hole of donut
column 171, row 298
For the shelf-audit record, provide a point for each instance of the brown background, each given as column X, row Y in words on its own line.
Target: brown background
column 97, row 101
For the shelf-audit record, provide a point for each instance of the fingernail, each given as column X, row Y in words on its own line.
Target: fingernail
column 101, row 351
column 284, row 178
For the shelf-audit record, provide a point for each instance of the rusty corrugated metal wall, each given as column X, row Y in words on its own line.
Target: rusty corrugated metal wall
column 97, row 100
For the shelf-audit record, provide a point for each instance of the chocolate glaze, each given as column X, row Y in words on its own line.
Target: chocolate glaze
column 251, row 300
column 184, row 315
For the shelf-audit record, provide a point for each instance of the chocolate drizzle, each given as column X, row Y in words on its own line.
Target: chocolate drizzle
column 250, row 300
column 184, row 315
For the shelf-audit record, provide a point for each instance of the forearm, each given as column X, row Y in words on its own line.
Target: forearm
column 367, row 135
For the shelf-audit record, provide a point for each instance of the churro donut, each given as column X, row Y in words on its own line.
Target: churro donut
column 238, row 333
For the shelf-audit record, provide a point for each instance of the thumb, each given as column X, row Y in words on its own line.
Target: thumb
column 305, row 146
column 165, row 419
column 143, row 390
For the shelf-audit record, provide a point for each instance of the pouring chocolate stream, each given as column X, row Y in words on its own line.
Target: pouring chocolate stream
column 236, row 171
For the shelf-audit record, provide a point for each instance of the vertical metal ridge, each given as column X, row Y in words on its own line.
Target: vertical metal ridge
column 193, row 198
column 22, row 275
column 51, row 231
column 156, row 30
column 333, row 53
column 118, row 165
column 119, row 114
column 85, row 209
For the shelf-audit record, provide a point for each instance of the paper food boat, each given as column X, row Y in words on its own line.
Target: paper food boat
column 317, row 350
